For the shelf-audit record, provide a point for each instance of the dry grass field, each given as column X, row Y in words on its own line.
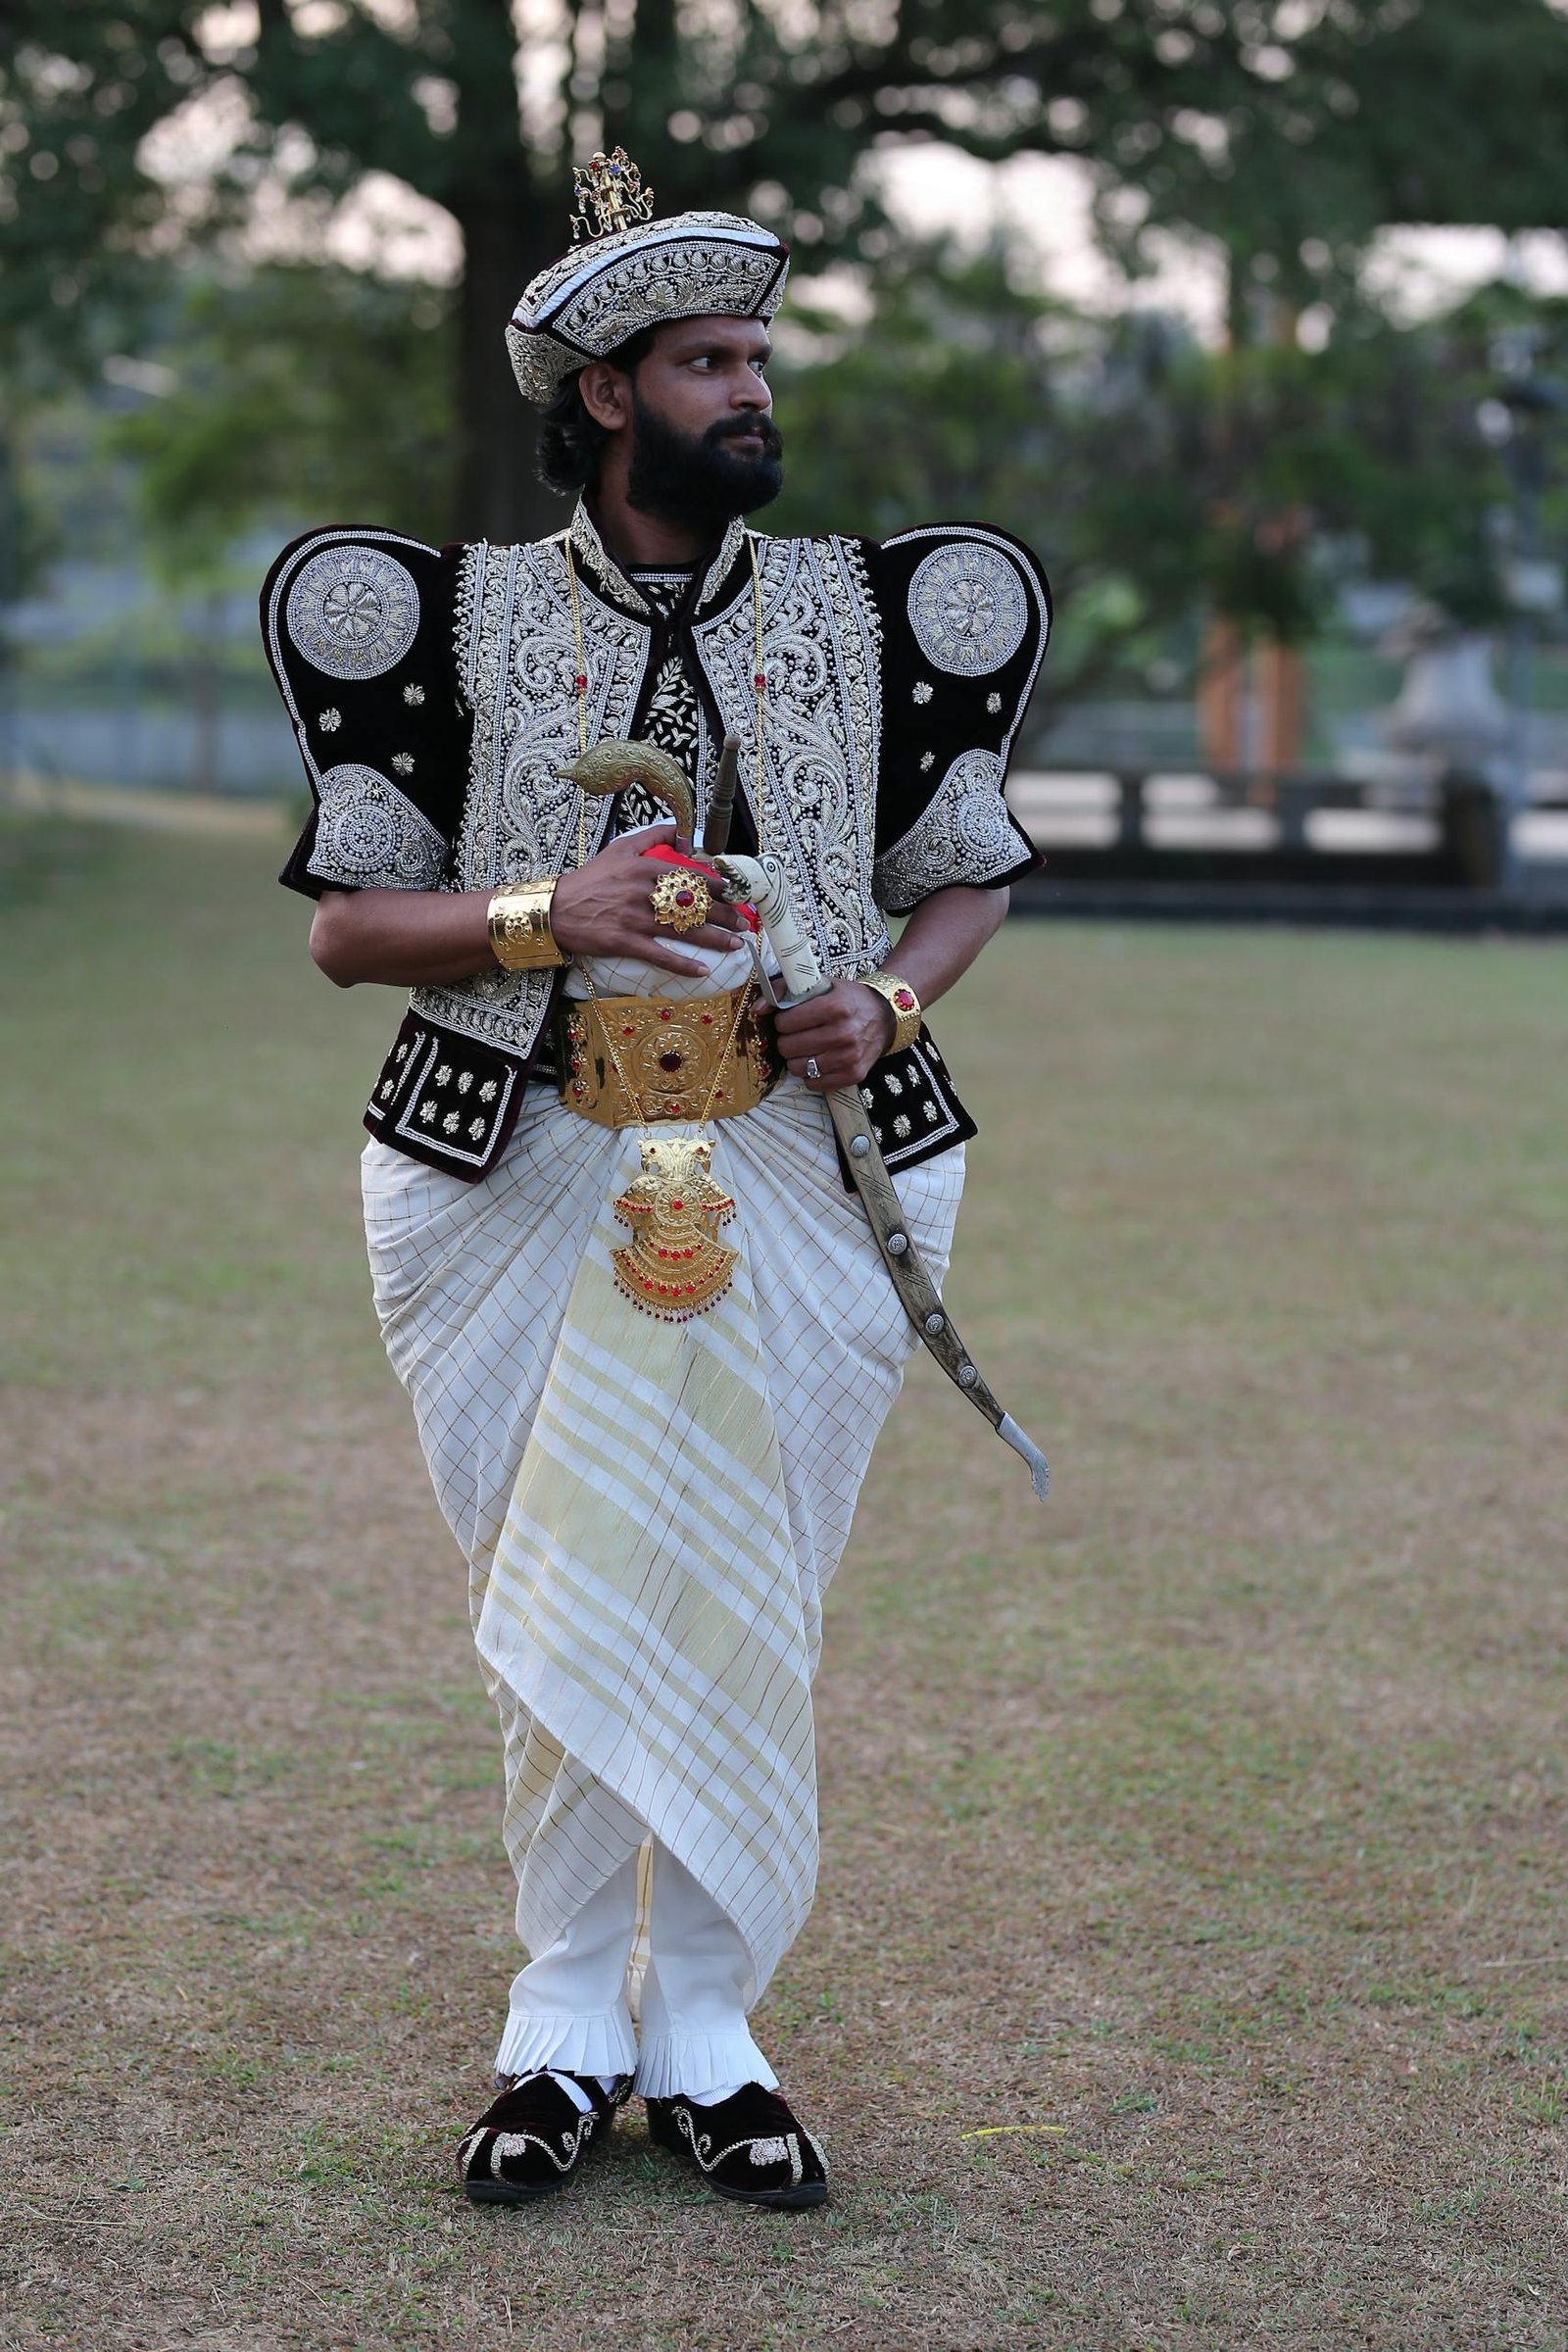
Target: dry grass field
column 1189, row 1961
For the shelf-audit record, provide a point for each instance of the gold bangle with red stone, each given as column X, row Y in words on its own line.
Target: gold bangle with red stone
column 906, row 1015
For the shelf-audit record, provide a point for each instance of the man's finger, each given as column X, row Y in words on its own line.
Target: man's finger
column 668, row 960
column 819, row 1037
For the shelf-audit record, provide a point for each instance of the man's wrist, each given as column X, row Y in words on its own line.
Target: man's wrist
column 888, row 1018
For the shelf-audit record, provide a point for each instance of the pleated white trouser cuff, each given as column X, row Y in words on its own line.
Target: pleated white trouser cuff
column 569, row 2008
column 681, row 2060
column 602, row 2044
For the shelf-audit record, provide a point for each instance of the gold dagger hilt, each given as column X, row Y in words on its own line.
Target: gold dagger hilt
column 608, row 768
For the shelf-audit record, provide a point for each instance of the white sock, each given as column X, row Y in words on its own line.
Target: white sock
column 712, row 2099
column 575, row 2089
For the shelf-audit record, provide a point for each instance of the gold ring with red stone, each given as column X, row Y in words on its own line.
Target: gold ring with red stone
column 680, row 899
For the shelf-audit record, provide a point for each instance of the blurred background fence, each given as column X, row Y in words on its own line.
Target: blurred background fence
column 1251, row 316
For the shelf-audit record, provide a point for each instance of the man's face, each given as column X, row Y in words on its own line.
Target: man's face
column 704, row 444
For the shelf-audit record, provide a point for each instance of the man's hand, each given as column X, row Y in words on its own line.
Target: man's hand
column 843, row 1031
column 604, row 907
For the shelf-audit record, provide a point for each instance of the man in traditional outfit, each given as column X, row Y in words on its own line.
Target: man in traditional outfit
column 647, row 1439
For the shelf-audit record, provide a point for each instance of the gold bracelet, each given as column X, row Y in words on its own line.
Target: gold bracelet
column 906, row 1015
column 520, row 937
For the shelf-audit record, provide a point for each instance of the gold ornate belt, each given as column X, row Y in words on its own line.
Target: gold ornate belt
column 673, row 1051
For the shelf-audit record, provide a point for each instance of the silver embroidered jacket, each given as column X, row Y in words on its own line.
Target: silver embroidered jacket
column 434, row 696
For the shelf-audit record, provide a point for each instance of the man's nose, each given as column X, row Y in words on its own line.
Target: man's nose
column 751, row 392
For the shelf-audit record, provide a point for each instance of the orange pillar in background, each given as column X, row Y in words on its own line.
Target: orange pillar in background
column 1280, row 681
column 1250, row 703
column 1222, row 694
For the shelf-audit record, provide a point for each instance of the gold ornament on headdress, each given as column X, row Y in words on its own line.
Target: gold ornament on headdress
column 610, row 194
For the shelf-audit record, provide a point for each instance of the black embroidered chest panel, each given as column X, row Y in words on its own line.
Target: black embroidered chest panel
column 431, row 695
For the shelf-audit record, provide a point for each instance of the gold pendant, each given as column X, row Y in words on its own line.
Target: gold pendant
column 674, row 1266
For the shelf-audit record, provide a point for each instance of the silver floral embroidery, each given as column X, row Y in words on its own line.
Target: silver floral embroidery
column 475, row 1129
column 901, row 1125
column 414, row 695
column 994, row 704
column 329, row 721
column 450, row 1122
column 928, row 760
column 402, row 762
column 465, row 1081
column 821, row 656
column 353, row 611
column 370, row 837
column 940, row 1120
column 967, row 607
column 518, row 658
column 487, row 1092
column 963, row 836
column 427, row 1111
column 922, row 690
column 895, row 1086
column 443, row 1076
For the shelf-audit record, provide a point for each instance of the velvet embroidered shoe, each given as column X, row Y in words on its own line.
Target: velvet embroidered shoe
column 750, row 2148
column 530, row 2140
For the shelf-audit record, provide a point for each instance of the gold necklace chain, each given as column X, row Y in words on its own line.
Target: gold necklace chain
column 580, row 689
column 758, row 679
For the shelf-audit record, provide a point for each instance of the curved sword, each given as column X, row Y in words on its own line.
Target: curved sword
column 764, row 881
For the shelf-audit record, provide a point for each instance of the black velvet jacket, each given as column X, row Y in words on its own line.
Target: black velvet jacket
column 434, row 696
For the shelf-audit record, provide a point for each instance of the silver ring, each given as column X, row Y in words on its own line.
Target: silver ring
column 811, row 1070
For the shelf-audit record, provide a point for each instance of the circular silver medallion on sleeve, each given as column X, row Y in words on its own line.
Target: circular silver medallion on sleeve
column 353, row 611
column 967, row 609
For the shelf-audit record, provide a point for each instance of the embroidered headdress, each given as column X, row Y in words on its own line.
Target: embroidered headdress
column 626, row 271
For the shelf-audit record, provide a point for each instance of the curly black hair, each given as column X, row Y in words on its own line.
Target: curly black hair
column 569, row 439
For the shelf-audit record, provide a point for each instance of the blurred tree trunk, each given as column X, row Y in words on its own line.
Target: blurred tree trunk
column 498, row 495
column 513, row 216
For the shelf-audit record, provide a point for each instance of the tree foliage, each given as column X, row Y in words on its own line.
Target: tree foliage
column 1158, row 478
column 1271, row 123
column 255, row 428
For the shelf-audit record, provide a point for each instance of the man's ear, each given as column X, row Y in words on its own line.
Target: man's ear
column 606, row 394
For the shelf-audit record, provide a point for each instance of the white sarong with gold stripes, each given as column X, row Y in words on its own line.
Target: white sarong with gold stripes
column 651, row 1511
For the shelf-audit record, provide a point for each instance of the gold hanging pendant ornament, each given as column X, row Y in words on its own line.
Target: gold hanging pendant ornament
column 674, row 1266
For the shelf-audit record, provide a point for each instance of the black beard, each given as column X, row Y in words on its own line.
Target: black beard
column 685, row 479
